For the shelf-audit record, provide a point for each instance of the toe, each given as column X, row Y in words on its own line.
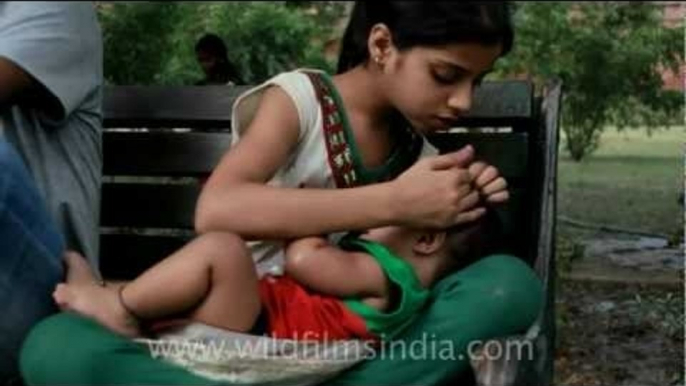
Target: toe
column 62, row 295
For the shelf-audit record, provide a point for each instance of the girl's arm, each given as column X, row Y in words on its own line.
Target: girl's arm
column 237, row 199
column 327, row 269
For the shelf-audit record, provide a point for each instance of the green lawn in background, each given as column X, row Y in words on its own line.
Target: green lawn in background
column 632, row 181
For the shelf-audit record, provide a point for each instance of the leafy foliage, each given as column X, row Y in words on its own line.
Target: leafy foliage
column 607, row 54
column 153, row 42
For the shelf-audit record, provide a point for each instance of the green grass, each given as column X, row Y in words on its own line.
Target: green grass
column 632, row 181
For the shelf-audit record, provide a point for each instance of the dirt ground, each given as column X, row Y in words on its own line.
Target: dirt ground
column 619, row 334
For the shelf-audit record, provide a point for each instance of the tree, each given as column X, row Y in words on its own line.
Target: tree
column 153, row 42
column 136, row 40
column 607, row 54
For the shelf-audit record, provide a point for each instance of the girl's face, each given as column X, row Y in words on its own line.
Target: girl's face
column 433, row 87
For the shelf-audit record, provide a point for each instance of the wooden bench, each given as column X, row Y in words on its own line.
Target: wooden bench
column 161, row 142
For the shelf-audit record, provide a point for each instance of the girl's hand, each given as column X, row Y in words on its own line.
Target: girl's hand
column 489, row 183
column 437, row 192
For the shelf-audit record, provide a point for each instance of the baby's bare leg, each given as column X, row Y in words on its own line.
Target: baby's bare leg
column 212, row 279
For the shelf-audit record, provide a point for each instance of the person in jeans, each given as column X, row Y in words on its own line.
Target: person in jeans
column 50, row 157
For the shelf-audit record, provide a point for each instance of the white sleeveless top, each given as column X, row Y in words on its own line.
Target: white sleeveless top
column 308, row 166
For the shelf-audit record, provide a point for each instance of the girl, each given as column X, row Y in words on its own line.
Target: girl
column 320, row 155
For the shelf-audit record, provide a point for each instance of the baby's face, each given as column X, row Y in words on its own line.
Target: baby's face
column 395, row 238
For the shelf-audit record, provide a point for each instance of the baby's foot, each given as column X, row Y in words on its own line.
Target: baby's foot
column 84, row 295
column 78, row 273
column 78, row 270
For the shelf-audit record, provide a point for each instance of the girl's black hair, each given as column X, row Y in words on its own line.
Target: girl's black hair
column 424, row 23
column 214, row 45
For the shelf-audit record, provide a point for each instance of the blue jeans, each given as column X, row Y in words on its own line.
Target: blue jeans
column 30, row 258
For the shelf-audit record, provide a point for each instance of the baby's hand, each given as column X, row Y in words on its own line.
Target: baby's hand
column 303, row 246
column 488, row 181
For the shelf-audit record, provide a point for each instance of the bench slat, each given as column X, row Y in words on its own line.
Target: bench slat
column 187, row 154
column 496, row 103
column 163, row 153
column 169, row 106
column 148, row 205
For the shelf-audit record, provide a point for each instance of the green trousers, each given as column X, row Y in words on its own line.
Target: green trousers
column 497, row 296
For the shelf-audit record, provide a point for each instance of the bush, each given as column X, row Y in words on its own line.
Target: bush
column 607, row 55
column 153, row 42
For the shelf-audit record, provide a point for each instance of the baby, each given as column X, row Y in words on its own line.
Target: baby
column 370, row 286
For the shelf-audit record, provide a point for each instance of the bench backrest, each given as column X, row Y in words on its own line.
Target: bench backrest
column 176, row 135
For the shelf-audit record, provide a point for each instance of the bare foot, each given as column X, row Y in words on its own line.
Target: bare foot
column 84, row 295
column 78, row 270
